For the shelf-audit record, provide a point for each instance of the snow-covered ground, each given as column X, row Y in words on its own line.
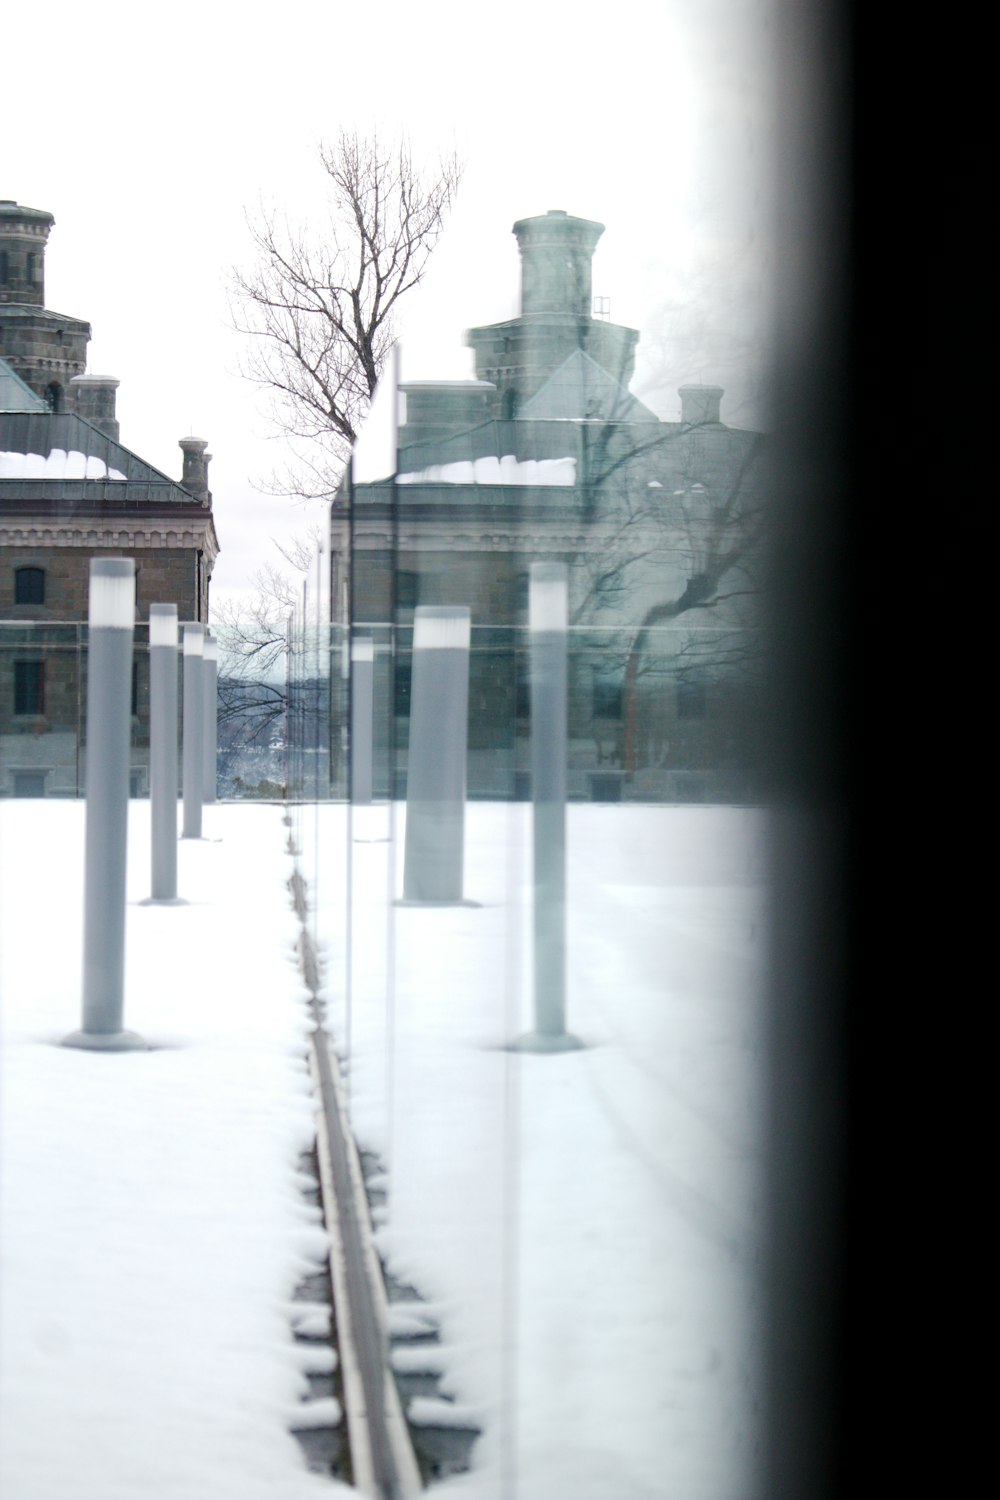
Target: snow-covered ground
column 151, row 1229
column 582, row 1225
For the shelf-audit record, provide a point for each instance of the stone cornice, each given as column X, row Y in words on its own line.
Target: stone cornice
column 430, row 538
column 197, row 532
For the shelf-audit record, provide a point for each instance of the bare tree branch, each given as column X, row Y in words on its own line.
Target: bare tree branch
column 319, row 304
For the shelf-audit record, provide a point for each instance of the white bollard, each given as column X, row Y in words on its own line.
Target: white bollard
column 433, row 860
column 111, row 618
column 163, row 749
column 362, row 719
column 193, row 741
column 548, row 610
column 210, row 715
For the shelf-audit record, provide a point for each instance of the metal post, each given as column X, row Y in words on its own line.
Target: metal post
column 210, row 714
column 193, row 743
column 362, row 719
column 548, row 622
column 163, row 749
column 436, row 764
column 111, row 619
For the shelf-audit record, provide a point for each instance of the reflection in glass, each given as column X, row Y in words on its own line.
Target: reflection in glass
column 576, row 1230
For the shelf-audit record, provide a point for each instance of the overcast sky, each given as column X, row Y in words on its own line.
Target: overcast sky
column 149, row 132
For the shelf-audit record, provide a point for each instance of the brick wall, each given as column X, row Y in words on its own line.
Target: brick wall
column 164, row 576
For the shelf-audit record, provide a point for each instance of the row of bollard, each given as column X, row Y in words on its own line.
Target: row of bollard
column 436, row 777
column 111, row 619
column 434, row 849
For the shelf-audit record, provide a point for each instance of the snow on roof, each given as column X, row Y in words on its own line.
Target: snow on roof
column 65, row 446
column 56, row 465
column 506, row 470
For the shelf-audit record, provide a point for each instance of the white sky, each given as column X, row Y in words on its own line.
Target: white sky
column 148, row 131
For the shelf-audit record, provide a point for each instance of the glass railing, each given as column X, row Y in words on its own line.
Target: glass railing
column 511, row 1186
column 663, row 714
column 43, row 695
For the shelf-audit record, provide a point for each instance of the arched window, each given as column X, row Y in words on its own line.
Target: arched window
column 4, row 266
column 53, row 395
column 29, row 586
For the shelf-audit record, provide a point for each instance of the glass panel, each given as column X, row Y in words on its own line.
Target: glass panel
column 43, row 682
column 510, row 1183
column 40, row 709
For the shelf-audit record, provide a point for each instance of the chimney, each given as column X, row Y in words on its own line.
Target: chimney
column 94, row 398
column 700, row 403
column 194, row 479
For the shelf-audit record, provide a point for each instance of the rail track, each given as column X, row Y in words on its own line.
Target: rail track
column 387, row 1350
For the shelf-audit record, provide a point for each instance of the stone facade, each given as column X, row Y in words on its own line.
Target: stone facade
column 71, row 491
column 547, row 455
column 47, row 349
column 163, row 574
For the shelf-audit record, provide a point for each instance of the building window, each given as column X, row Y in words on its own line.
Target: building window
column 407, row 590
column 54, row 396
column 29, row 586
column 135, row 687
column 4, row 266
column 692, row 700
column 29, row 783
column 31, row 266
column 402, row 674
column 608, row 695
column 522, row 687
column 29, row 687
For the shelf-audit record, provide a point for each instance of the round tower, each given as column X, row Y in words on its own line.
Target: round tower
column 557, row 251
column 555, row 322
column 24, row 233
column 47, row 349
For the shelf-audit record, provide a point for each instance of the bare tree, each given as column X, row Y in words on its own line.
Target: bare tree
column 320, row 303
column 685, row 506
column 253, row 637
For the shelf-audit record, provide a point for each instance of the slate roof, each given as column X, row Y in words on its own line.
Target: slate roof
column 14, row 394
column 62, row 455
column 581, row 390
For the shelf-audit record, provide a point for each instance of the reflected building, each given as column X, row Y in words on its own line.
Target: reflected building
column 70, row 491
column 548, row 455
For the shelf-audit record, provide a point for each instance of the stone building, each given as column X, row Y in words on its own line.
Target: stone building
column 70, row 491
column 548, row 455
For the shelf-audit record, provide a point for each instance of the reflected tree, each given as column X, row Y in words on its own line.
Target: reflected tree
column 319, row 302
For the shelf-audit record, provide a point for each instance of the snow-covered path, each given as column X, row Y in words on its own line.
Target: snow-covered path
column 583, row 1225
column 151, row 1231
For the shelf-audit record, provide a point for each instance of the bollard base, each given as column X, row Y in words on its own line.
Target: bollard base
column 164, row 901
column 538, row 1041
column 106, row 1041
column 444, row 901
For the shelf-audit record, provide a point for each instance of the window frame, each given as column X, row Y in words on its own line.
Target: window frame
column 24, row 572
column 23, row 692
